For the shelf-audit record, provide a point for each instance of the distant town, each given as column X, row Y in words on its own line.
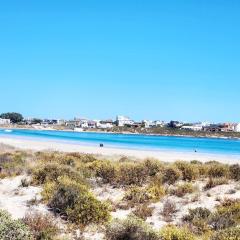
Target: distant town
column 120, row 123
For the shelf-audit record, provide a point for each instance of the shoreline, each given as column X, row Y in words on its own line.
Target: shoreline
column 123, row 133
column 163, row 155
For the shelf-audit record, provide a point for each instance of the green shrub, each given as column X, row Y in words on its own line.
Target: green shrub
column 227, row 234
column 42, row 226
column 176, row 233
column 52, row 171
column 171, row 174
column 183, row 189
column 73, row 200
column 189, row 171
column 227, row 215
column 156, row 191
column 213, row 182
column 136, row 195
column 235, row 172
column 132, row 174
column 132, row 228
column 218, row 170
column 143, row 211
column 12, row 164
column 153, row 166
column 105, row 170
column 13, row 229
column 198, row 219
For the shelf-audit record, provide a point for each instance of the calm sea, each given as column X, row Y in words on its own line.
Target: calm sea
column 189, row 144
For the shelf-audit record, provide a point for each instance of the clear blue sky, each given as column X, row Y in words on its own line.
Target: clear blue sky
column 147, row 59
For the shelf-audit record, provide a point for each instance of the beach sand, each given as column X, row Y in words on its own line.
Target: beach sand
column 40, row 145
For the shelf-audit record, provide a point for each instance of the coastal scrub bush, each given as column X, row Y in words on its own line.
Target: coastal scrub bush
column 189, row 171
column 227, row 234
column 131, row 173
column 131, row 228
column 143, row 211
column 73, row 200
column 176, row 233
column 235, row 172
column 156, row 191
column 13, row 229
column 12, row 164
column 52, row 171
column 198, row 219
column 227, row 215
column 41, row 226
column 213, row 182
column 182, row 189
column 105, row 170
column 171, row 174
column 153, row 166
column 136, row 195
column 169, row 208
column 217, row 170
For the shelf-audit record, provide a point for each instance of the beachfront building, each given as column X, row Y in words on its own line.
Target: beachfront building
column 4, row 121
column 193, row 127
column 123, row 120
column 104, row 124
column 237, row 127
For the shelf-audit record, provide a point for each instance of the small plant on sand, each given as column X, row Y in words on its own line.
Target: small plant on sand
column 143, row 211
column 227, row 234
column 217, row 170
column 13, row 229
column 213, row 182
column 171, row 175
column 198, row 220
column 189, row 171
column 41, row 226
column 235, row 171
column 227, row 215
column 182, row 189
column 132, row 228
column 176, row 233
column 169, row 208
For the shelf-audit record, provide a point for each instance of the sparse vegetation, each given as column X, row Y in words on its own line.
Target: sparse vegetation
column 73, row 187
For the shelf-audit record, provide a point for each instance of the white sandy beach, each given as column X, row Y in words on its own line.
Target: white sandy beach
column 39, row 145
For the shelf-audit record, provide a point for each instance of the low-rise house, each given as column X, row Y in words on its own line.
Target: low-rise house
column 4, row 121
column 228, row 127
column 123, row 120
column 212, row 128
column 237, row 127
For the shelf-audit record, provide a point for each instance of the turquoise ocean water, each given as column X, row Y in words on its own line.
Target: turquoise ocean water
column 146, row 142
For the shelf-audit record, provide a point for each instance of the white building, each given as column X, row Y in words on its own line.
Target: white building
column 237, row 128
column 122, row 121
column 4, row 121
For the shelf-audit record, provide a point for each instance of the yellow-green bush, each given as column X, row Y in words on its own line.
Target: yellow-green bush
column 132, row 228
column 13, row 229
column 52, row 171
column 227, row 234
column 153, row 166
column 106, row 170
column 171, row 174
column 182, row 189
column 227, row 215
column 235, row 172
column 198, row 219
column 156, row 191
column 176, row 233
column 189, row 171
column 217, row 170
column 73, row 200
column 41, row 226
column 213, row 182
column 131, row 173
column 12, row 164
